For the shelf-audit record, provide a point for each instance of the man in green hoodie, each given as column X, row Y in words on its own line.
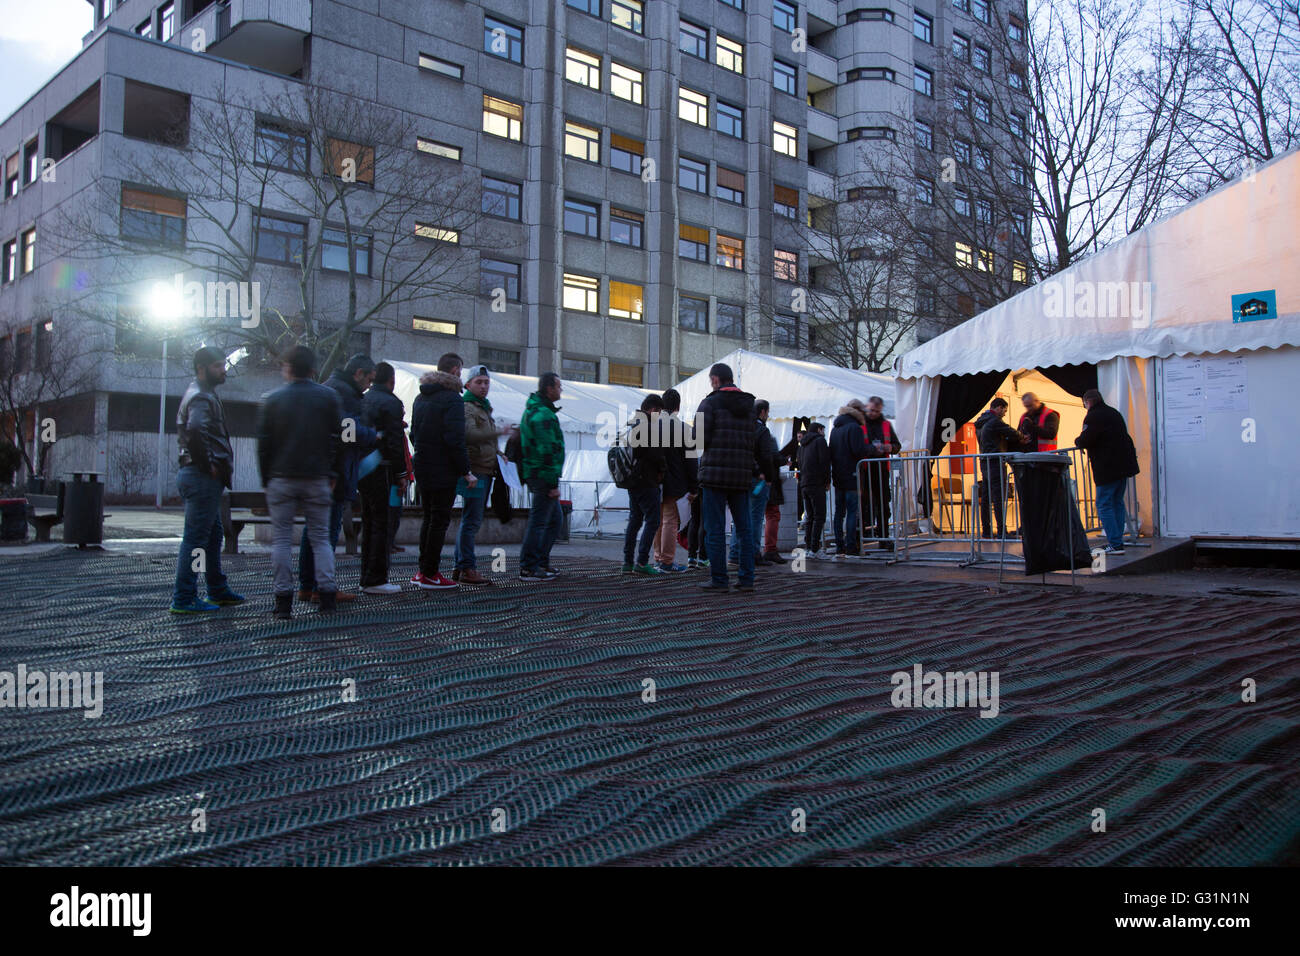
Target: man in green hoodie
column 543, row 451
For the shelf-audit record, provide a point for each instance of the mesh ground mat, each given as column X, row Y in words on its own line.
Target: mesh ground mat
column 522, row 704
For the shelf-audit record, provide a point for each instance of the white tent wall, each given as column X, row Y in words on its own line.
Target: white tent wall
column 1127, row 383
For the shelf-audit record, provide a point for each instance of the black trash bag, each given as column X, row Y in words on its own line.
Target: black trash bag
column 500, row 501
column 1049, row 518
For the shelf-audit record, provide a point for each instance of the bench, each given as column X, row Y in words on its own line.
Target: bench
column 53, row 514
column 241, row 508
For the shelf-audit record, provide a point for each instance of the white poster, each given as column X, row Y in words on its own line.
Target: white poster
column 1225, row 385
column 1184, row 386
column 1184, row 427
column 509, row 473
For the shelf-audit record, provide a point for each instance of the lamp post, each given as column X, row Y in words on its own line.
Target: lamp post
column 165, row 307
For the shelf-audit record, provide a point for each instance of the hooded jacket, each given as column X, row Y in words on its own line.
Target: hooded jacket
column 814, row 463
column 363, row 436
column 731, row 446
column 385, row 413
column 1110, row 447
column 848, row 446
column 681, row 472
column 542, row 442
column 480, row 434
column 202, row 435
column 649, row 459
column 995, row 435
column 438, row 431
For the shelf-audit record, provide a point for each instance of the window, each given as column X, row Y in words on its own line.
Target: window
column 503, row 118
column 692, row 107
column 582, row 142
column 1015, row 29
column 442, row 67
column 730, row 252
column 923, row 81
column 983, row 159
column 626, row 83
column 961, row 203
column 427, row 230
column 925, row 192
column 873, row 13
column 927, row 301
column 982, row 58
column 961, row 151
column 871, row 132
column 1020, row 223
column 924, row 135
column 962, row 5
column 730, row 320
column 351, row 162
column 980, row 9
column 1019, row 272
column 693, row 40
column 31, row 163
column 785, row 265
column 731, row 120
column 167, row 21
column 280, row 148
column 586, row 6
column 582, row 68
column 692, row 175
column 502, row 39
column 785, row 16
column 435, row 326
column 494, row 275
column 785, row 77
column 626, row 301
column 625, row 227
column 729, row 55
column 502, row 198
column 785, row 139
column 626, row 154
column 22, row 350
column 692, row 314
column 870, row 73
column 28, row 261
column 145, row 29
column 620, row 374
column 1019, row 174
column 44, row 344
column 785, row 202
column 922, row 27
column 1015, row 79
column 730, row 185
column 280, row 241
column 152, row 217
column 435, row 148
column 693, row 243
column 9, row 263
column 582, row 218
column 626, row 14
column 581, row 294
column 738, row 4
column 13, row 165
column 984, row 212
column 961, row 47
column 859, row 193
column 964, row 254
column 785, row 331
column 579, row 370
column 961, row 99
column 334, row 252
column 1017, row 122
column 986, row 260
column 983, row 109
column 504, row 360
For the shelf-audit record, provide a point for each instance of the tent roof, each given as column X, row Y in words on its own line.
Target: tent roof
column 1239, row 238
column 794, row 388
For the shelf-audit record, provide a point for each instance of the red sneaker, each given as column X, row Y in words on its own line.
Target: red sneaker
column 435, row 583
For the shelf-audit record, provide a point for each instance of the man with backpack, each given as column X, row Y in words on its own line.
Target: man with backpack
column 642, row 481
column 542, row 445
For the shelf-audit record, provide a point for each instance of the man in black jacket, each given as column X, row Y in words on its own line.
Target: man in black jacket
column 298, row 448
column 383, row 412
column 995, row 436
column 848, row 446
column 764, row 477
column 814, row 482
column 681, row 479
column 441, row 460
column 881, row 443
column 1114, row 461
column 206, row 466
column 728, row 430
column 643, row 488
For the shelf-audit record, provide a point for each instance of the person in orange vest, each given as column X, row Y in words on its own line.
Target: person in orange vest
column 1038, row 425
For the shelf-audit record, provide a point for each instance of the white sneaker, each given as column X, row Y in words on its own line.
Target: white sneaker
column 840, row 557
column 389, row 588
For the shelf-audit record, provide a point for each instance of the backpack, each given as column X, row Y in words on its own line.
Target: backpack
column 515, row 449
column 622, row 464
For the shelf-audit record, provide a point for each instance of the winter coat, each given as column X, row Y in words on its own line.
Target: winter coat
column 848, row 446
column 995, row 435
column 729, row 438
column 681, row 472
column 202, row 434
column 648, row 460
column 1110, row 447
column 1030, row 430
column 480, row 434
column 298, row 432
column 385, row 413
column 542, row 441
column 438, row 432
column 768, row 465
column 814, row 463
column 363, row 436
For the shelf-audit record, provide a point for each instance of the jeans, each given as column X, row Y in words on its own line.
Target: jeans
column 433, row 532
column 717, row 502
column 543, row 528
column 848, row 527
column 814, row 505
column 993, row 496
column 1111, row 511
column 306, row 560
column 284, row 497
column 202, row 494
column 471, row 519
column 643, row 510
column 757, row 505
column 374, row 527
column 666, row 539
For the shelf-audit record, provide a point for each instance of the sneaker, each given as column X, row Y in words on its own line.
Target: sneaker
column 702, row 564
column 553, row 572
column 748, row 588
column 647, row 570
column 774, row 557
column 226, row 598
column 534, row 577
column 548, row 574
column 627, row 567
column 675, row 568
column 193, row 606
column 436, row 583
column 1113, row 550
column 717, row 588
column 839, row 556
column 389, row 588
column 471, row 576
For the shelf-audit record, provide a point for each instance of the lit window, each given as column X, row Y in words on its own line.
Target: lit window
column 785, row 138
column 730, row 55
column 1019, row 272
column 626, row 14
column 620, row 374
column 444, row 67
column 503, row 118
column 730, row 252
column 434, row 326
column 692, row 107
column 965, row 255
column 582, row 142
column 425, row 230
column 581, row 293
column 435, row 148
column 582, row 68
column 626, row 83
column 504, row 40
column 986, row 260
column 785, row 265
column 626, row 301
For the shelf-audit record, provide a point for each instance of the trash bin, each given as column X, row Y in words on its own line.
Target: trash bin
column 83, row 509
column 13, row 519
column 566, row 509
column 1049, row 519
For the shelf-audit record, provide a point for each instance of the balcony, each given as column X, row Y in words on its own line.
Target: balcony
column 822, row 15
column 821, row 184
column 266, row 34
column 823, row 70
column 823, row 129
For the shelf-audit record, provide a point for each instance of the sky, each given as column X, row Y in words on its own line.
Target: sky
column 37, row 39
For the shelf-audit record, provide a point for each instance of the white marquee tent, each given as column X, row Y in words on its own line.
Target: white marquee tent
column 1208, row 393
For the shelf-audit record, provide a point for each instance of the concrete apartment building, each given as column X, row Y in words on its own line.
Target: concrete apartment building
column 649, row 169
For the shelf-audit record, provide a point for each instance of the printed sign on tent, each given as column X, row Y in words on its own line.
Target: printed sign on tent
column 1253, row 306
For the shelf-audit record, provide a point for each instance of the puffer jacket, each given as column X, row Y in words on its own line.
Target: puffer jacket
column 730, row 440
column 480, row 434
column 438, row 432
column 848, row 446
column 814, row 463
column 542, row 441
